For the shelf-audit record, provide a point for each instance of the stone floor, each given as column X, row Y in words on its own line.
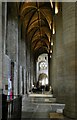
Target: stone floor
column 38, row 111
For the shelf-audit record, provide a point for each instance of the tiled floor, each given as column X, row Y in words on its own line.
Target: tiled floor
column 37, row 111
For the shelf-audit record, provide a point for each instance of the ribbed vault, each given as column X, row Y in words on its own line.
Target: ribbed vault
column 37, row 18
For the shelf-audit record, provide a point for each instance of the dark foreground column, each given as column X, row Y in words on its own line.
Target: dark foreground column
column 69, row 57
column 0, row 59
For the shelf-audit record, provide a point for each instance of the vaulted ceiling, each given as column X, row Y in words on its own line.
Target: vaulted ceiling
column 37, row 19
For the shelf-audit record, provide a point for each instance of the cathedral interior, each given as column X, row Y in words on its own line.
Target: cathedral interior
column 38, row 60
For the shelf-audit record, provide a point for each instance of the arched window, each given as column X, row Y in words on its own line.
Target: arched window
column 42, row 65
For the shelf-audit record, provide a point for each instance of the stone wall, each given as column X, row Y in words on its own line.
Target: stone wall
column 76, row 58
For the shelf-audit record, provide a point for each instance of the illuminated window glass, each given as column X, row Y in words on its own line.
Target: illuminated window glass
column 43, row 66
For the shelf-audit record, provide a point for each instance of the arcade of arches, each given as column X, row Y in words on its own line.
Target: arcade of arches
column 38, row 50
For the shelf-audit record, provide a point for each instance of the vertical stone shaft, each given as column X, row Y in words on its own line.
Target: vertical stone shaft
column 69, row 57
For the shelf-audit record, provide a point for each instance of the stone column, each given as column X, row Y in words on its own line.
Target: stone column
column 54, row 69
column 19, row 54
column 26, row 70
column 30, row 63
column 0, row 46
column 27, row 65
column 31, row 69
column 51, row 71
column 12, row 40
column 59, row 58
column 56, row 59
column 24, row 81
column 76, row 57
column 25, row 73
column 68, row 11
column 0, row 58
column 24, row 64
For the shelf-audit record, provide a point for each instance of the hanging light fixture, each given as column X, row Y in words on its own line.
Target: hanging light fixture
column 51, row 43
column 56, row 7
column 51, row 3
column 53, row 31
column 50, row 56
column 50, row 51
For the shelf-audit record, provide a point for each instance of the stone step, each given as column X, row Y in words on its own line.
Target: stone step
column 57, row 107
column 41, row 95
column 42, row 98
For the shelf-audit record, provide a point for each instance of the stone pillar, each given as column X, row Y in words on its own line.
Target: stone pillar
column 12, row 40
column 54, row 69
column 34, row 69
column 4, row 25
column 0, row 59
column 25, row 73
column 26, row 70
column 27, row 65
column 19, row 54
column 24, row 64
column 31, row 69
column 76, row 58
column 12, row 31
column 59, row 58
column 68, row 12
column 0, row 47
column 24, row 81
column 50, row 71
